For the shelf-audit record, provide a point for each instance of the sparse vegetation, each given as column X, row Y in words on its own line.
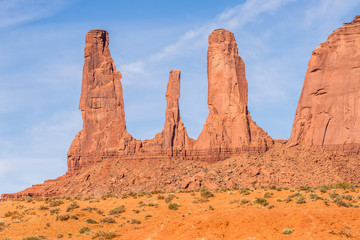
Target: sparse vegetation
column 84, row 230
column 287, row 230
column 135, row 221
column 34, row 238
column 261, row 201
column 173, row 206
column 72, row 206
column 206, row 193
column 63, row 217
column 91, row 221
column 103, row 235
column 117, row 210
column 108, row 220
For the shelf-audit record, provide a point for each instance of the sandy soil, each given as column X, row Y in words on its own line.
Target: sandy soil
column 230, row 214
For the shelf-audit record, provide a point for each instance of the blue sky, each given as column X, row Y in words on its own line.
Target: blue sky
column 41, row 60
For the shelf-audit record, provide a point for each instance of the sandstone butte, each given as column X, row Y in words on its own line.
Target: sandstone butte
column 328, row 112
column 231, row 149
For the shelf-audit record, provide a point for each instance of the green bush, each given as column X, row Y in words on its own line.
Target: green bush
column 91, row 221
column 173, row 206
column 108, row 220
column 135, row 221
column 117, row 210
column 103, row 235
column 206, row 193
column 72, row 206
column 84, row 230
column 287, row 230
column 63, row 217
column 261, row 201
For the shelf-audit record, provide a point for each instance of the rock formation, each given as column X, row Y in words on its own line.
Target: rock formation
column 229, row 128
column 328, row 112
column 101, row 104
column 104, row 143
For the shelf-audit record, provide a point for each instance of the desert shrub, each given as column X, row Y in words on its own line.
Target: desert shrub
column 206, row 193
column 2, row 224
column 148, row 216
column 261, row 201
column 169, row 198
column 244, row 200
column 234, row 201
column 348, row 197
column 56, row 203
column 84, row 230
column 279, row 200
column 20, row 207
column 59, row 235
column 305, row 188
column 211, row 207
column 6, row 238
column 103, row 235
column 153, row 204
column 135, row 221
column 72, row 206
column 267, row 195
column 334, row 195
column 14, row 215
column 55, row 210
column 340, row 202
column 343, row 185
column 203, row 200
column 173, row 206
column 287, row 230
column 34, row 238
column 244, row 191
column 323, row 188
column 87, row 198
column 314, row 196
column 75, row 217
column 117, row 210
column 110, row 195
column 300, row 200
column 108, row 220
column 91, row 221
column 42, row 207
column 160, row 197
column 63, row 217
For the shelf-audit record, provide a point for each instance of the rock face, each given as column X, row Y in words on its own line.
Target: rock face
column 229, row 128
column 174, row 136
column 328, row 112
column 101, row 104
column 104, row 145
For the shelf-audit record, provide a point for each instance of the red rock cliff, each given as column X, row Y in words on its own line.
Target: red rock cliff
column 101, row 104
column 229, row 128
column 328, row 112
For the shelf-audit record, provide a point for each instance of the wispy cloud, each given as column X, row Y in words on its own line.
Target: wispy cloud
column 14, row 12
column 328, row 11
column 232, row 19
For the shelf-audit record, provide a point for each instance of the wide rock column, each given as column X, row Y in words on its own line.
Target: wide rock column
column 328, row 112
column 228, row 128
column 101, row 104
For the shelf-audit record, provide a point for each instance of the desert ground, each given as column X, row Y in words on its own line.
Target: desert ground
column 326, row 212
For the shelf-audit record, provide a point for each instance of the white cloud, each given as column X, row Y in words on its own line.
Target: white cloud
column 13, row 12
column 328, row 12
column 231, row 19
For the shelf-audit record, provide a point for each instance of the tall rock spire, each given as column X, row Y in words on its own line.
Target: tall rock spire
column 101, row 103
column 228, row 128
column 328, row 112
column 175, row 137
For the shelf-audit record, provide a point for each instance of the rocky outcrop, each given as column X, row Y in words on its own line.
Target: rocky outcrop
column 229, row 128
column 328, row 112
column 101, row 105
column 104, row 143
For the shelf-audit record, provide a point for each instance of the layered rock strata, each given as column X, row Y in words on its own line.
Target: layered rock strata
column 328, row 112
column 229, row 128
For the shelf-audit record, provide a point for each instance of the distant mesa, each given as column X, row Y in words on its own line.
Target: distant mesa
column 104, row 157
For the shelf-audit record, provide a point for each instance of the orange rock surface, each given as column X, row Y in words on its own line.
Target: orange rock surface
column 229, row 128
column 328, row 113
